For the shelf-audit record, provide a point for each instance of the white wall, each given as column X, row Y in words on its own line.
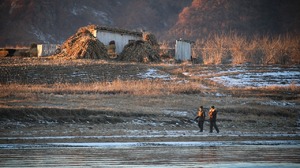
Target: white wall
column 120, row 39
column 183, row 50
column 46, row 49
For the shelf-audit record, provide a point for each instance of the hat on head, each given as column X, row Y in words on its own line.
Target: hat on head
column 212, row 107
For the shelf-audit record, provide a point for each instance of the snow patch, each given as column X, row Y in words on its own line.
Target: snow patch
column 278, row 103
column 176, row 113
column 261, row 79
column 186, row 74
column 154, row 74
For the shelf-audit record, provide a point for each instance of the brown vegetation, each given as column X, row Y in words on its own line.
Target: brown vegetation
column 136, row 87
column 236, row 49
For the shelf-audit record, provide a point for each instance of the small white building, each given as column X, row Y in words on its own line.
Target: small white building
column 119, row 36
column 183, row 50
column 46, row 49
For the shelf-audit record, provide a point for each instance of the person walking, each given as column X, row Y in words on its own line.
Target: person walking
column 212, row 119
column 201, row 118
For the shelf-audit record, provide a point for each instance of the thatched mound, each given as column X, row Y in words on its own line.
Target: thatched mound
column 151, row 39
column 139, row 51
column 83, row 45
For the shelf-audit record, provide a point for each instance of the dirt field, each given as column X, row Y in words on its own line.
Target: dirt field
column 245, row 112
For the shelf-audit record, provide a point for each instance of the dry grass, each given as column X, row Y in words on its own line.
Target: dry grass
column 238, row 49
column 16, row 46
column 144, row 88
column 292, row 88
column 134, row 87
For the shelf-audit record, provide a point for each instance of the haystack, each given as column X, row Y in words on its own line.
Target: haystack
column 83, row 45
column 139, row 51
column 151, row 39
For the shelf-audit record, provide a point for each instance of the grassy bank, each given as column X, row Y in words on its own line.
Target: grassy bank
column 138, row 87
column 132, row 87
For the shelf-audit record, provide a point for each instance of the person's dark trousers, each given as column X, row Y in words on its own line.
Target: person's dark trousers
column 200, row 124
column 213, row 125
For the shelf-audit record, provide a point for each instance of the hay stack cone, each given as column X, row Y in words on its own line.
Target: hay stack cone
column 151, row 39
column 139, row 51
column 83, row 45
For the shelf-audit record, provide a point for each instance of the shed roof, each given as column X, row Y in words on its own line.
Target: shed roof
column 187, row 41
column 118, row 30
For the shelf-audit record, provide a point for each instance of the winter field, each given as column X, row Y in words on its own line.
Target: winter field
column 88, row 113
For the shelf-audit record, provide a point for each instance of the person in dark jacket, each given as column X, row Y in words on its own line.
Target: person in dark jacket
column 201, row 118
column 212, row 119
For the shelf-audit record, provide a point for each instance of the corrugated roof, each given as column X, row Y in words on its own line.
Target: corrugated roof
column 187, row 41
column 118, row 30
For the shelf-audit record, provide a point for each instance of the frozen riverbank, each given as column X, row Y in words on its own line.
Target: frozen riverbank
column 154, row 154
column 155, row 136
column 277, row 143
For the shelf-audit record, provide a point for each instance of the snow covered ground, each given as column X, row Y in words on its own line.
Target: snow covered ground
column 258, row 76
column 239, row 76
column 260, row 79
column 154, row 74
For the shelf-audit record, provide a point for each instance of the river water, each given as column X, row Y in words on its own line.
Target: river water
column 153, row 154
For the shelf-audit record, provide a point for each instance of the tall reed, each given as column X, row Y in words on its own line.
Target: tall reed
column 239, row 49
column 133, row 87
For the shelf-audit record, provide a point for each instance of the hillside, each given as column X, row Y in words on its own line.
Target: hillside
column 247, row 17
column 24, row 22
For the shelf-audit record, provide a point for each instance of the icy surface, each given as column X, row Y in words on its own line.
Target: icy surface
column 239, row 76
column 260, row 79
column 156, row 134
column 278, row 143
column 154, row 74
column 243, row 76
column 149, row 154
